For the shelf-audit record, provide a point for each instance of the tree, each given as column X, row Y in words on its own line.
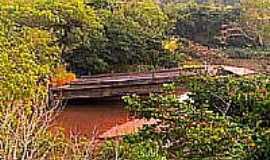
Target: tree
column 73, row 23
column 134, row 33
column 27, row 58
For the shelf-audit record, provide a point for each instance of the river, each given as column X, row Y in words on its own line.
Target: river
column 88, row 118
column 91, row 118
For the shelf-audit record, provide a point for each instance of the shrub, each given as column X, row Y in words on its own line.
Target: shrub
column 184, row 131
column 246, row 99
column 26, row 133
column 144, row 150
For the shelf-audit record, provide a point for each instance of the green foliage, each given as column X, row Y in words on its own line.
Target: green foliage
column 26, row 58
column 262, row 140
column 73, row 23
column 246, row 99
column 134, row 33
column 102, row 4
column 95, row 35
column 28, row 55
column 184, row 131
column 229, row 118
column 144, row 150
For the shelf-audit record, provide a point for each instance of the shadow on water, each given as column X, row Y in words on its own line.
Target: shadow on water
column 88, row 117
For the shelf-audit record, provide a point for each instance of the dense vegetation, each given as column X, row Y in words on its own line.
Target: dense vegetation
column 41, row 41
column 225, row 118
column 102, row 36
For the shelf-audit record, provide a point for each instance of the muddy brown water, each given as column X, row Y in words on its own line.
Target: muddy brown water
column 88, row 117
column 92, row 118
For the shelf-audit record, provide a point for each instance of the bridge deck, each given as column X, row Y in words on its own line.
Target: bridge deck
column 119, row 84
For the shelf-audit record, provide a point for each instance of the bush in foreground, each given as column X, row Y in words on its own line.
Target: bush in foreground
column 199, row 129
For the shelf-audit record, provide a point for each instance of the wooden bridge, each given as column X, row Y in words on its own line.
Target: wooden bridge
column 121, row 84
column 116, row 85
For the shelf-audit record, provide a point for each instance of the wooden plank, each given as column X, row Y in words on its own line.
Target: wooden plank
column 117, row 85
column 107, row 92
column 125, row 80
column 129, row 74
